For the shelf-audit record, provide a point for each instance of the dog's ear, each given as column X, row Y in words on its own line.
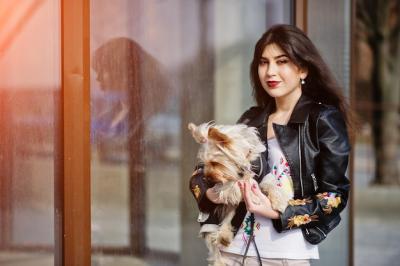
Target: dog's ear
column 192, row 127
column 219, row 137
column 197, row 133
column 217, row 172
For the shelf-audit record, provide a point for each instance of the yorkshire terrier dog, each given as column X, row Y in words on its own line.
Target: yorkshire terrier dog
column 227, row 152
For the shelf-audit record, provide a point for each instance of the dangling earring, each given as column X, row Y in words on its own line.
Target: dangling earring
column 302, row 81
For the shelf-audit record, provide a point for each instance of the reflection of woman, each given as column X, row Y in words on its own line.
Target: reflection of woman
column 301, row 116
column 134, row 87
column 131, row 79
column 118, row 72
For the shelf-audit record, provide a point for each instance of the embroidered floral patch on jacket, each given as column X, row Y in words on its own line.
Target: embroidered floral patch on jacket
column 196, row 191
column 298, row 202
column 331, row 201
column 298, row 220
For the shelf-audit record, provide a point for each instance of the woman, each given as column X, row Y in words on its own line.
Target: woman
column 301, row 117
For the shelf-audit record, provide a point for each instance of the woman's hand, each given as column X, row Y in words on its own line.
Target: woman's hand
column 261, row 205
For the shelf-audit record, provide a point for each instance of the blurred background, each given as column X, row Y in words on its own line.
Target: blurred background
column 156, row 65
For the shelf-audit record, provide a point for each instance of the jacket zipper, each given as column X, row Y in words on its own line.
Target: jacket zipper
column 314, row 181
column 301, row 179
column 320, row 231
column 301, row 170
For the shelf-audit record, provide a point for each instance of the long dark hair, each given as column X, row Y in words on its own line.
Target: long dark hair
column 320, row 85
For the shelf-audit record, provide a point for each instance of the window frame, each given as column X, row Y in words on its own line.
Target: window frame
column 72, row 184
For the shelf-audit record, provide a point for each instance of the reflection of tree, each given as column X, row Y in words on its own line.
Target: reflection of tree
column 379, row 26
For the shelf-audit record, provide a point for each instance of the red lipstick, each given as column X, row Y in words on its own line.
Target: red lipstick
column 273, row 83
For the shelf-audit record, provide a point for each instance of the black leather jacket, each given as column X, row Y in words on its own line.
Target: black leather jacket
column 316, row 146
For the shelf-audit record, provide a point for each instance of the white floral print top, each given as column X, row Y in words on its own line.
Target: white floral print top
column 271, row 244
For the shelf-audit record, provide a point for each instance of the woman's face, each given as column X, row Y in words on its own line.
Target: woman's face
column 109, row 80
column 279, row 76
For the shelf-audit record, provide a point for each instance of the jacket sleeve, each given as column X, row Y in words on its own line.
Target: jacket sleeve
column 198, row 186
column 333, row 186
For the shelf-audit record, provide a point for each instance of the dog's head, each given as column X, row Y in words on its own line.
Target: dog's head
column 226, row 149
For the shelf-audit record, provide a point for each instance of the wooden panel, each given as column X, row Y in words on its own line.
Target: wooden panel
column 6, row 164
column 300, row 14
column 75, row 146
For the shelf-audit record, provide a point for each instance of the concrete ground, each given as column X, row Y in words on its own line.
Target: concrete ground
column 376, row 226
column 376, row 214
column 45, row 259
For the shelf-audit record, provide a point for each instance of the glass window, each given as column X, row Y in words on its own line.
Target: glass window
column 157, row 65
column 328, row 26
column 377, row 146
column 29, row 89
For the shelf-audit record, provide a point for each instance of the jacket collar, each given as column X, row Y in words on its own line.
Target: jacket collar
column 301, row 109
column 299, row 114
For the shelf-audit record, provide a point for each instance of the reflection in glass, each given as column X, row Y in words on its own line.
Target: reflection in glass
column 335, row 16
column 132, row 91
column 377, row 147
column 29, row 89
column 156, row 65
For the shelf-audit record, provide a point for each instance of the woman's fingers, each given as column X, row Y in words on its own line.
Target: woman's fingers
column 241, row 186
column 252, row 195
column 248, row 196
column 243, row 190
column 251, row 191
column 246, row 190
column 257, row 191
